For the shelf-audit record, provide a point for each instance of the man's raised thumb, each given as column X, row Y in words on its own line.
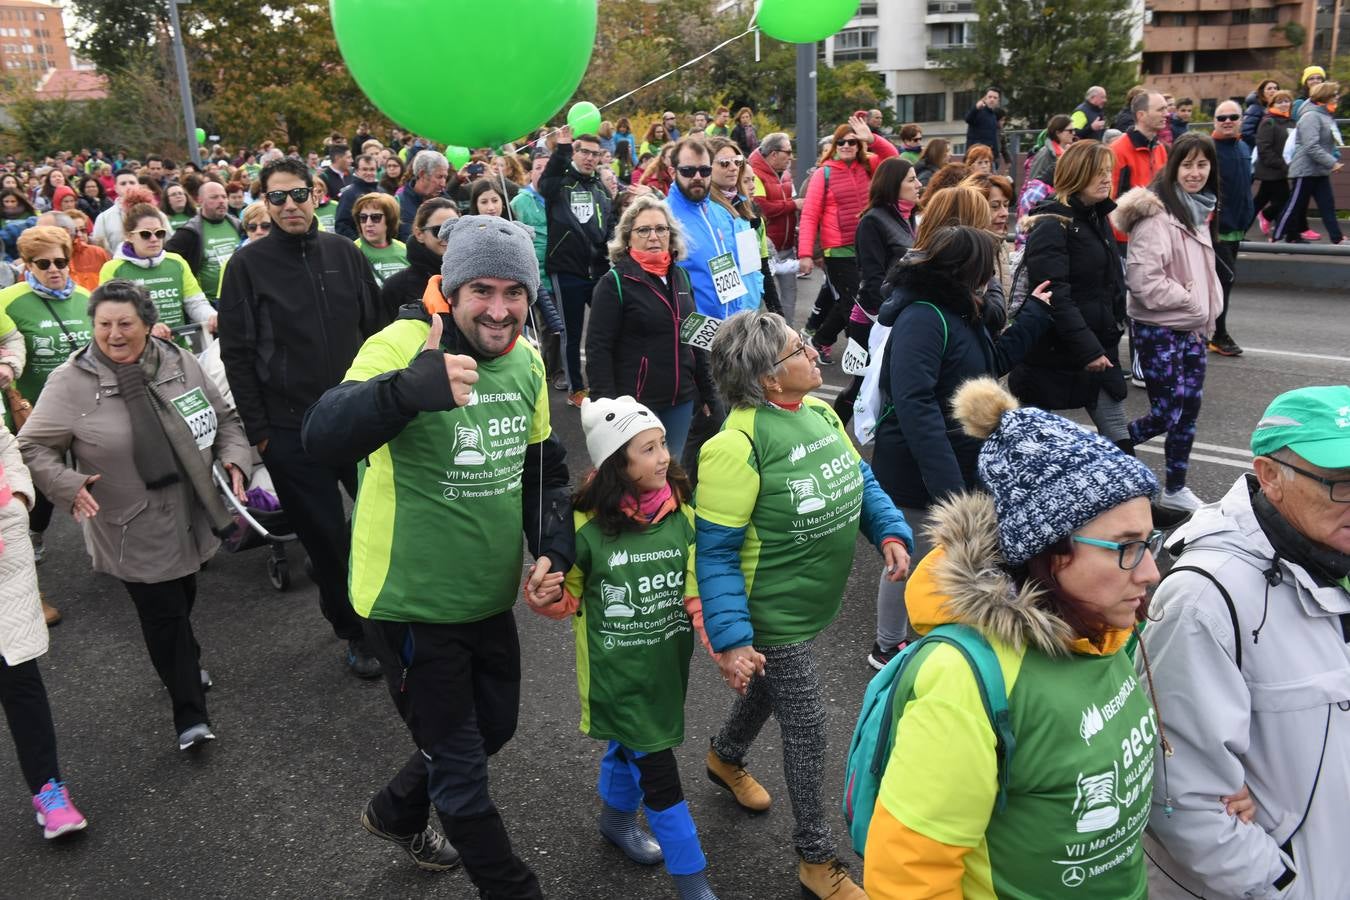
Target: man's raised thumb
column 434, row 336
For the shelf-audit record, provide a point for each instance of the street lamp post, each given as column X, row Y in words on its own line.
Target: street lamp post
column 184, row 88
column 806, row 109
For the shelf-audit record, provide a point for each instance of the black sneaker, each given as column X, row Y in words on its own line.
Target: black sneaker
column 1224, row 345
column 878, row 658
column 361, row 661
column 429, row 849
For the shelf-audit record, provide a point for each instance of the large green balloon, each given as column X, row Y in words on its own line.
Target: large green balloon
column 804, row 21
column 201, row 135
column 584, row 118
column 524, row 59
column 457, row 156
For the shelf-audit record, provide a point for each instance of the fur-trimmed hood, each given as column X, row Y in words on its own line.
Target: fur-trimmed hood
column 1134, row 207
column 965, row 579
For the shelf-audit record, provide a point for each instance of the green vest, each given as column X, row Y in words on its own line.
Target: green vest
column 219, row 241
column 166, row 283
column 386, row 260
column 178, row 220
column 633, row 634
column 436, row 532
column 47, row 341
column 326, row 215
column 1081, row 781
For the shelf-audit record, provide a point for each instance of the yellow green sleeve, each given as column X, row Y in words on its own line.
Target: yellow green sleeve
column 728, row 484
column 109, row 269
column 390, row 349
column 541, row 427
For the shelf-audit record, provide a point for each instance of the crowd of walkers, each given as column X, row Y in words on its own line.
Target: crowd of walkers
column 384, row 321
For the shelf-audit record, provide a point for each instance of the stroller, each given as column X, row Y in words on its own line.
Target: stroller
column 261, row 521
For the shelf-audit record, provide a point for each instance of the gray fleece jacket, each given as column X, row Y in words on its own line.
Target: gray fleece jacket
column 1271, row 724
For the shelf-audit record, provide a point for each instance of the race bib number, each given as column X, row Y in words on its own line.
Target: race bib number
column 197, row 412
column 726, row 279
column 698, row 331
column 854, row 360
column 747, row 248
column 583, row 206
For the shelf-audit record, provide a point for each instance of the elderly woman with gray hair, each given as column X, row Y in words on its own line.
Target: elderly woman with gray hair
column 144, row 425
column 781, row 495
column 636, row 343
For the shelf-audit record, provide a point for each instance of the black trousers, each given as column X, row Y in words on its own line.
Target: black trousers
column 24, row 698
column 700, row 429
column 1271, row 197
column 1225, row 255
column 458, row 689
column 308, row 491
column 40, row 516
column 165, row 611
column 846, row 280
column 843, row 404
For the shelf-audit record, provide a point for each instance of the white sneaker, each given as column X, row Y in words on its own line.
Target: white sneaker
column 1183, row 499
column 1138, row 382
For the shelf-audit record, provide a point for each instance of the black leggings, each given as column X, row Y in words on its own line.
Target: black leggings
column 1271, row 197
column 844, row 281
column 40, row 516
column 164, row 610
column 24, row 698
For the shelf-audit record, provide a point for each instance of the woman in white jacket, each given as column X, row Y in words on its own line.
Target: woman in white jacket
column 23, row 638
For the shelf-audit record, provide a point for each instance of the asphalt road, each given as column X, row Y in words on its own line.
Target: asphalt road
column 271, row 809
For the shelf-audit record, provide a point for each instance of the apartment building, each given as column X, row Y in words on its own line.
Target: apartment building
column 32, row 39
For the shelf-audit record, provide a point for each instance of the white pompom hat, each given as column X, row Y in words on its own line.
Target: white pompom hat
column 611, row 423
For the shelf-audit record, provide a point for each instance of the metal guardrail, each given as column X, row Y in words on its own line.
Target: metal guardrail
column 1330, row 250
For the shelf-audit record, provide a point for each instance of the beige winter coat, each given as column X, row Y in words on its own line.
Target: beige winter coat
column 1169, row 270
column 23, row 631
column 138, row 535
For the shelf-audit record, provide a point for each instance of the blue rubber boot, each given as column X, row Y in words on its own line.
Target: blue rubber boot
column 621, row 829
column 694, row 887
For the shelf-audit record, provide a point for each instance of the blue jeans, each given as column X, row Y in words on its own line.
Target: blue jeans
column 575, row 294
column 676, row 419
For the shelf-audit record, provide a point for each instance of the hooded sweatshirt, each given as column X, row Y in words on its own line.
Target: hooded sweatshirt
column 1082, row 770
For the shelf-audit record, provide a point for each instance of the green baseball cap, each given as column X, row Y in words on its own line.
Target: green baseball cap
column 1314, row 422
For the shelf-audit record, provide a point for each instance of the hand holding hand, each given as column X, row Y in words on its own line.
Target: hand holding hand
column 739, row 665
column 543, row 587
column 897, row 560
column 85, row 506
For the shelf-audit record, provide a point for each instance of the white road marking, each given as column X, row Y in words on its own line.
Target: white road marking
column 1242, row 452
column 1201, row 457
column 1322, row 356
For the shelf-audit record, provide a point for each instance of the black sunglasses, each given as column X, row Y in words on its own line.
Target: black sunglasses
column 848, row 142
column 259, row 226
column 299, row 195
column 45, row 264
column 691, row 171
column 146, row 234
column 371, row 217
column 1228, row 118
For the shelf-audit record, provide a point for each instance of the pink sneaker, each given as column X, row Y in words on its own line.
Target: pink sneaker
column 1265, row 224
column 1311, row 236
column 55, row 813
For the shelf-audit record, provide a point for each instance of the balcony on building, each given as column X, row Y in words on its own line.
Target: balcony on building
column 950, row 11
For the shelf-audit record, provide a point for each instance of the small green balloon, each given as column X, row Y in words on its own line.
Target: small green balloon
column 584, row 118
column 804, row 21
column 533, row 73
column 201, row 135
column 458, row 156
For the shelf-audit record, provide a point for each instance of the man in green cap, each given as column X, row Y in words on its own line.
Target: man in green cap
column 1251, row 670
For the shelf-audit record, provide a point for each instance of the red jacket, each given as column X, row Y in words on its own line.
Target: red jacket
column 835, row 212
column 777, row 203
column 1137, row 161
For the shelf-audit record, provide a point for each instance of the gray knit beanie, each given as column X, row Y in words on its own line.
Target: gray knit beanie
column 1048, row 476
column 488, row 247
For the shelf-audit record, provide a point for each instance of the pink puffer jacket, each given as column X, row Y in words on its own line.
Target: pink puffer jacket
column 835, row 212
column 1169, row 270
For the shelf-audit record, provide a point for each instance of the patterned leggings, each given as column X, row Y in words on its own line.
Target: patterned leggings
column 1173, row 363
column 790, row 690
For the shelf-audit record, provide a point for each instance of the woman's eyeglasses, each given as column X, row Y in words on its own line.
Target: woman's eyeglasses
column 646, row 231
column 728, row 163
column 145, row 234
column 45, row 264
column 848, row 142
column 1130, row 553
column 258, row 226
column 299, row 195
column 371, row 217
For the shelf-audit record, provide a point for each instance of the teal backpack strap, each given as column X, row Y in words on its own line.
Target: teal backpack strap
column 942, row 318
column 618, row 285
column 993, row 693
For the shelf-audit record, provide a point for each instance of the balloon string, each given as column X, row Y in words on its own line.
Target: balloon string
column 658, row 78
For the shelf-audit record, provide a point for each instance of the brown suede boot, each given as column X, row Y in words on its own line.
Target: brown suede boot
column 828, row 881
column 50, row 613
column 748, row 792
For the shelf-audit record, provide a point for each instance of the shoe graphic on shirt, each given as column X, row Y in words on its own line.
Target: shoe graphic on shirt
column 469, row 446
column 616, row 601
column 1096, row 802
column 806, row 494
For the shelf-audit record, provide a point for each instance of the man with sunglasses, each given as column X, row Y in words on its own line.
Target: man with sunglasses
column 1236, row 211
column 1251, row 667
column 580, row 223
column 208, row 239
column 365, row 180
column 295, row 307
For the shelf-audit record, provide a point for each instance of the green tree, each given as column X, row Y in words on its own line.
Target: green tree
column 1044, row 54
column 117, row 29
column 846, row 88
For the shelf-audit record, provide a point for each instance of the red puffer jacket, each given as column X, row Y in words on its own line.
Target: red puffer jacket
column 777, row 204
column 835, row 212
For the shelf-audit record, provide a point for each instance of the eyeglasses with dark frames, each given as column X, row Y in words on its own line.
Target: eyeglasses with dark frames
column 299, row 195
column 802, row 349
column 648, row 230
column 1338, row 489
column 1129, row 553
column 376, row 217
column 691, row 171
column 45, row 264
column 259, row 226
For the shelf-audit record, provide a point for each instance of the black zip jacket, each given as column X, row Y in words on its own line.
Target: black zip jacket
column 187, row 240
column 882, row 238
column 1271, row 136
column 294, row 309
column 356, row 418
column 633, row 340
column 574, row 247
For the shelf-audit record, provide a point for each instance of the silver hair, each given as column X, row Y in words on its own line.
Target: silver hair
column 747, row 349
column 774, row 140
column 61, row 220
column 427, row 161
column 1284, row 454
column 1233, row 103
column 1095, row 89
column 623, row 234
